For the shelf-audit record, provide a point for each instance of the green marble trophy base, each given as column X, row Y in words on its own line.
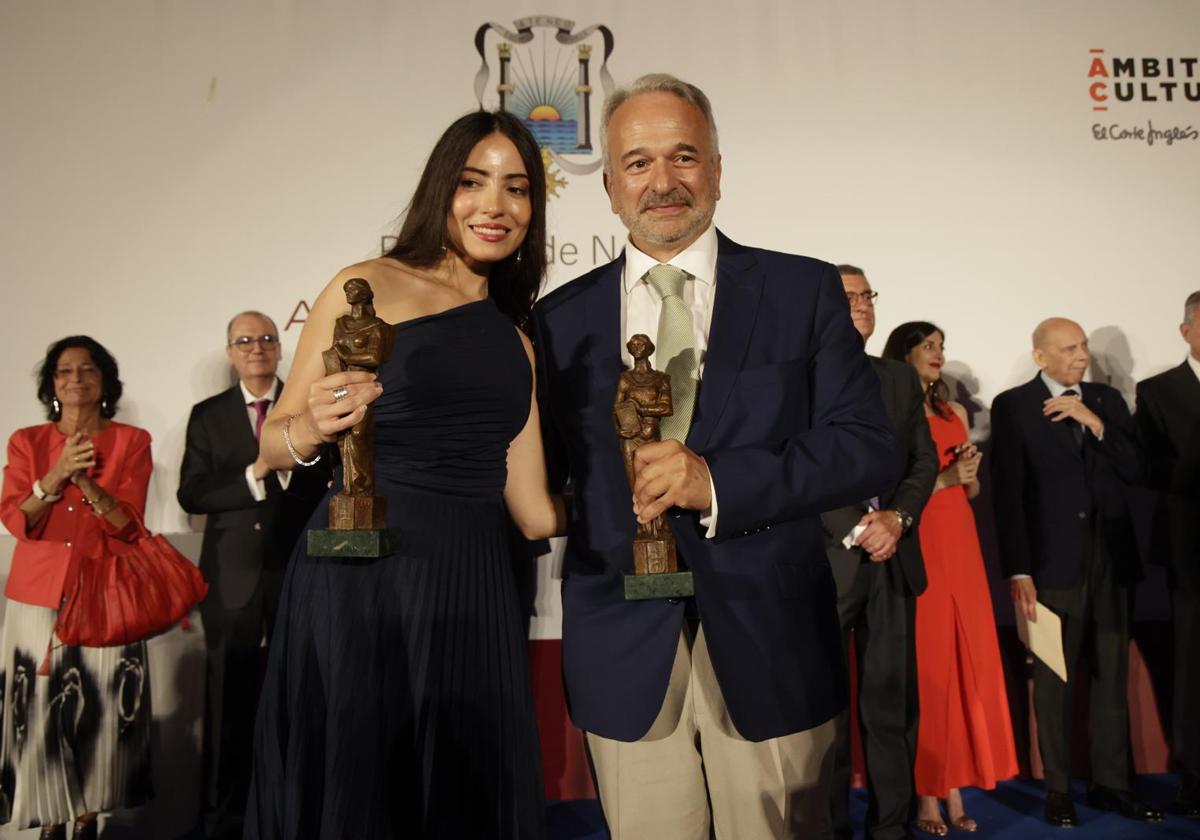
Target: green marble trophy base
column 328, row 542
column 659, row 585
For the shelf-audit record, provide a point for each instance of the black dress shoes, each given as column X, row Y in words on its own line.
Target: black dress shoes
column 1123, row 802
column 1060, row 811
column 1187, row 803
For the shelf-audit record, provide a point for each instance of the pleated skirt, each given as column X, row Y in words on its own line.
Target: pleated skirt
column 397, row 701
column 77, row 740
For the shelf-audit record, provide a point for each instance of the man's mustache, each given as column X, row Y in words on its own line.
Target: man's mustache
column 653, row 199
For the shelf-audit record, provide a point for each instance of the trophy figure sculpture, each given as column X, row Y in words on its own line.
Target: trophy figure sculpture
column 643, row 397
column 357, row 517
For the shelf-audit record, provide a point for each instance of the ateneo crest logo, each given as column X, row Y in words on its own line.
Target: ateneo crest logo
column 540, row 71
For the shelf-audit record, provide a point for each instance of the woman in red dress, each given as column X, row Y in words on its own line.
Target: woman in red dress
column 965, row 735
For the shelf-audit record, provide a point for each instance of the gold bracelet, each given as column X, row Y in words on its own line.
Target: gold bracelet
column 93, row 504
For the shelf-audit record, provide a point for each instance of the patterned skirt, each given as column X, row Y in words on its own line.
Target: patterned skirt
column 74, row 741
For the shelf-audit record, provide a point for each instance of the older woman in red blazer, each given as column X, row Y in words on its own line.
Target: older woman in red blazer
column 76, row 721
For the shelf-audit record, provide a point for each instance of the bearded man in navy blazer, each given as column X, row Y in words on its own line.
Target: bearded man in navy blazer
column 1063, row 456
column 729, row 697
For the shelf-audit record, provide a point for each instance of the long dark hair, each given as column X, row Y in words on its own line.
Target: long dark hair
column 110, row 383
column 514, row 281
column 900, row 343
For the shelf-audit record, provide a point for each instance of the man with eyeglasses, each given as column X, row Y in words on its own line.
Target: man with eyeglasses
column 254, row 516
column 876, row 559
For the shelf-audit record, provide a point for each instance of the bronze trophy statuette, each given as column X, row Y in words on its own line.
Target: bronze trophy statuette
column 643, row 397
column 357, row 517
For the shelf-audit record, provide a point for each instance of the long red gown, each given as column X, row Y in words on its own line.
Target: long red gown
column 964, row 737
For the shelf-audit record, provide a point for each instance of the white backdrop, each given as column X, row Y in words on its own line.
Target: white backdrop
column 166, row 164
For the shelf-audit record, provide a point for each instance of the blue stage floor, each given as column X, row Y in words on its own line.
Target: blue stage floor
column 1011, row 812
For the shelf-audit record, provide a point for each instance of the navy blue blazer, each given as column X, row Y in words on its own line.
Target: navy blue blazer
column 790, row 421
column 1051, row 497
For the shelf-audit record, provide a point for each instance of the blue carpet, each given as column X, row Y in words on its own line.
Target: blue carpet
column 1013, row 811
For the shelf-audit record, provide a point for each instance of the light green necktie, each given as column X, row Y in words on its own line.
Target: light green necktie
column 675, row 348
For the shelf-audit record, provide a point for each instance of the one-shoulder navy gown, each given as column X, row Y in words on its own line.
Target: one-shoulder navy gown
column 397, row 701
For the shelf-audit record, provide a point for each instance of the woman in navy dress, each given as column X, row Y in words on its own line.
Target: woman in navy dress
column 397, row 700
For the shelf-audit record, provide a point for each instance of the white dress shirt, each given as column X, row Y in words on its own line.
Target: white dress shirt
column 258, row 487
column 641, row 306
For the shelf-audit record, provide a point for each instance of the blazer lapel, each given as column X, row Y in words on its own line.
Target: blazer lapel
column 735, row 308
column 600, row 348
column 237, row 424
column 1188, row 384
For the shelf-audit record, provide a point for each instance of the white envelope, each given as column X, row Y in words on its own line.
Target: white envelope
column 1044, row 638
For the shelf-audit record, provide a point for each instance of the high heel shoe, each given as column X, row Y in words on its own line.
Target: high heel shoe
column 85, row 830
column 965, row 823
column 935, row 827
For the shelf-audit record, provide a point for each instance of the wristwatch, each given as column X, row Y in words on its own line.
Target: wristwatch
column 905, row 518
column 41, row 494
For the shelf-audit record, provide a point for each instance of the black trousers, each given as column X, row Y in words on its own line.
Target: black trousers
column 883, row 625
column 1185, row 706
column 1095, row 629
column 234, row 637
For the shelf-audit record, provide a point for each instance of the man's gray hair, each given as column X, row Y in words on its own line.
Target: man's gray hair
column 1189, row 308
column 248, row 312
column 657, row 83
column 845, row 269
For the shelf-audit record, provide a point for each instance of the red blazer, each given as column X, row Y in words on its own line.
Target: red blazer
column 47, row 553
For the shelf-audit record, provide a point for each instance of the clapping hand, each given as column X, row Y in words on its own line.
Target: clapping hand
column 78, row 456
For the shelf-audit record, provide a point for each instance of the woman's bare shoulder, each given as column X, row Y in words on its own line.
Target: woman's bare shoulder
column 961, row 411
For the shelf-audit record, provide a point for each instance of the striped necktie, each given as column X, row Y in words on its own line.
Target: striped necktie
column 675, row 348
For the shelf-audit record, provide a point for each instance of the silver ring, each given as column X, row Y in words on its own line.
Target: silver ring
column 340, row 393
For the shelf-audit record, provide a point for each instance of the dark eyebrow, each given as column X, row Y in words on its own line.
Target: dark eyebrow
column 487, row 174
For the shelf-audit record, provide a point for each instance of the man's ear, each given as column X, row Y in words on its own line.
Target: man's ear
column 717, row 197
column 1039, row 358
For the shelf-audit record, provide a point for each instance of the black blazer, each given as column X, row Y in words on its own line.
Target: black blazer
column 916, row 461
column 1051, row 497
column 1168, row 423
column 241, row 536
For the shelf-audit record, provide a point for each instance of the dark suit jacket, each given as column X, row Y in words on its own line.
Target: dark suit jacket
column 790, row 422
column 1051, row 497
column 916, row 462
column 1168, row 421
column 241, row 536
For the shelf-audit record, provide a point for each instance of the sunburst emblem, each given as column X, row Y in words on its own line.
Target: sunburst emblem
column 543, row 76
column 554, row 179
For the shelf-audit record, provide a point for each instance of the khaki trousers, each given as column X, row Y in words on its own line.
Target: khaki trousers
column 660, row 787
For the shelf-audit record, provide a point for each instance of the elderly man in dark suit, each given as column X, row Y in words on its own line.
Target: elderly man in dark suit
column 878, row 578
column 254, row 516
column 1168, row 420
column 713, row 712
column 1063, row 456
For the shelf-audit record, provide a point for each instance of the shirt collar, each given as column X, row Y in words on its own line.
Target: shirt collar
column 1194, row 363
column 1057, row 388
column 698, row 259
column 249, row 398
